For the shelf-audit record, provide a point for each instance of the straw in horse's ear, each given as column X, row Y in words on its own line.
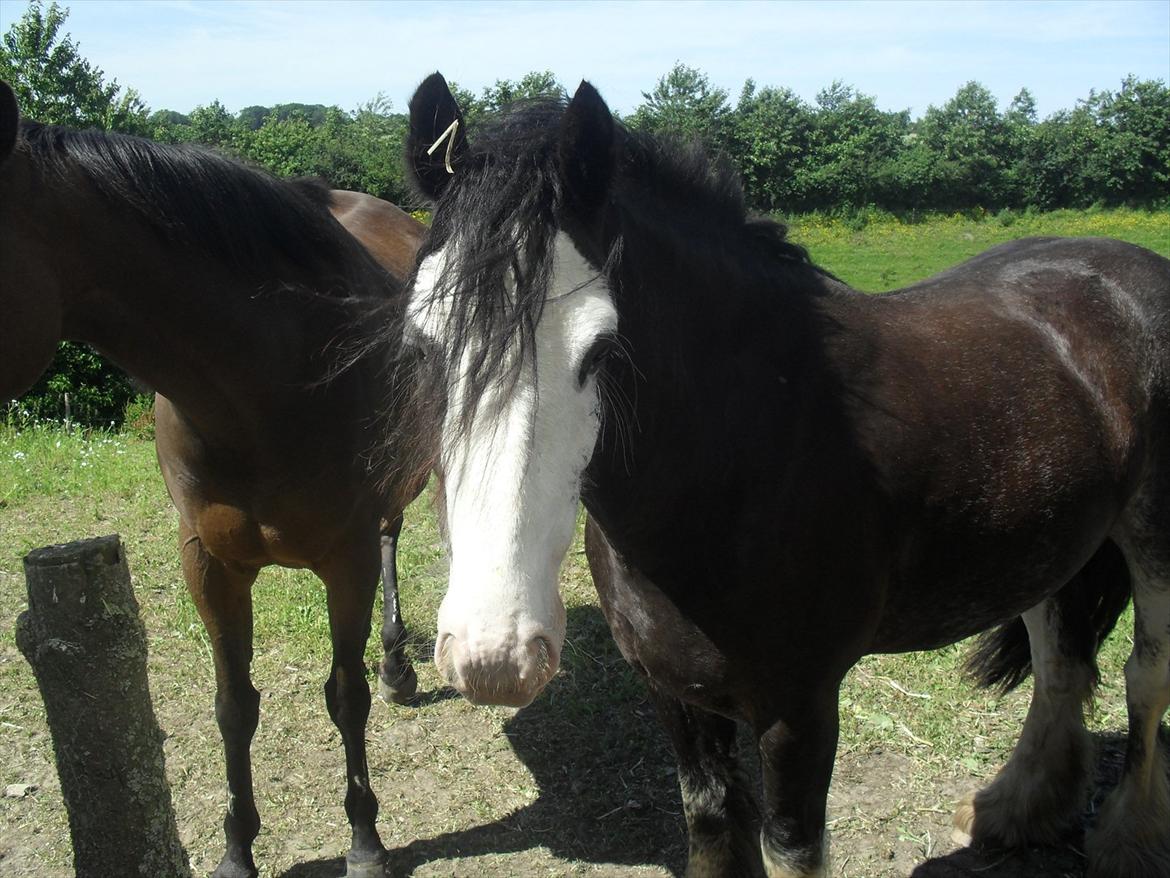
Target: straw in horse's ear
column 9, row 119
column 438, row 138
column 585, row 149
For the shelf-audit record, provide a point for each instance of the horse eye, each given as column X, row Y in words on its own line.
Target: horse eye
column 597, row 354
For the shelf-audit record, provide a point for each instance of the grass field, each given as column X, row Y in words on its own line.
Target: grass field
column 580, row 783
column 887, row 254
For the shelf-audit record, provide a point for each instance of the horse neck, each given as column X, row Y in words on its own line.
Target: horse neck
column 191, row 326
column 723, row 373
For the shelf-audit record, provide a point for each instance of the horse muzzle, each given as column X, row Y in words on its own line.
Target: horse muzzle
column 507, row 671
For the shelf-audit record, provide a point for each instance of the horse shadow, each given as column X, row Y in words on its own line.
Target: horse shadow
column 608, row 790
column 604, row 771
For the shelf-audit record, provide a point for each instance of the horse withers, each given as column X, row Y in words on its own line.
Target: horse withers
column 247, row 306
column 783, row 475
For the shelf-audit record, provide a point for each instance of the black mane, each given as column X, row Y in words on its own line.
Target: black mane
column 503, row 207
column 197, row 197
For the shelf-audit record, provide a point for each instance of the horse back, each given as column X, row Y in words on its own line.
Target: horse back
column 391, row 235
column 1009, row 409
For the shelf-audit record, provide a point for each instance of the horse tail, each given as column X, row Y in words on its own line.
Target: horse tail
column 1092, row 601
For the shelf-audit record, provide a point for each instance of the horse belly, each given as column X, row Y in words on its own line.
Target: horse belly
column 960, row 586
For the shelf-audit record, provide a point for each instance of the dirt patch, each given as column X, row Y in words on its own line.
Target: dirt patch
column 580, row 783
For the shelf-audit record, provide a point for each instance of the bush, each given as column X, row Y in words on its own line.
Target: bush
column 82, row 387
column 138, row 416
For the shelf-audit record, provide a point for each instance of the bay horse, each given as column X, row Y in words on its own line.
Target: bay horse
column 239, row 298
column 783, row 474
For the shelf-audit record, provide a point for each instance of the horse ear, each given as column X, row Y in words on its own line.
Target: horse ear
column 9, row 120
column 437, row 136
column 586, row 150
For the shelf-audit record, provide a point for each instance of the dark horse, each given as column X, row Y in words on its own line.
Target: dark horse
column 783, row 475
column 238, row 297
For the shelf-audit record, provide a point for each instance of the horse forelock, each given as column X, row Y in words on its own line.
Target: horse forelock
column 495, row 225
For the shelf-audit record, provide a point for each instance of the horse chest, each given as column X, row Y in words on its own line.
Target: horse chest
column 654, row 635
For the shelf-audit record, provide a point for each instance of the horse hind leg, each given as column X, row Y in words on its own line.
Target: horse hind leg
column 397, row 681
column 1131, row 837
column 1042, row 791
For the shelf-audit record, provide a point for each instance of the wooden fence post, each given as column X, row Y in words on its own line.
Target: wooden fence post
column 87, row 646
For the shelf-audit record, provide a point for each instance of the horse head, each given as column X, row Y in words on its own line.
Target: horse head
column 514, row 321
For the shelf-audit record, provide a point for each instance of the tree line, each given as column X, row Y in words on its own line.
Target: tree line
column 839, row 153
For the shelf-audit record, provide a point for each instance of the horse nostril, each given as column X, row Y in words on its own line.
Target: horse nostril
column 443, row 653
column 546, row 655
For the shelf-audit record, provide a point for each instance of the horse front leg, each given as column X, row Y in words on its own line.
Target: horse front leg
column 397, row 680
column 223, row 598
column 351, row 579
column 797, row 748
column 722, row 818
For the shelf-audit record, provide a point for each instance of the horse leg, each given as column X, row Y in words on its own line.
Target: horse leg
column 397, row 680
column 351, row 578
column 796, row 755
column 223, row 597
column 721, row 815
column 1132, row 834
column 1042, row 790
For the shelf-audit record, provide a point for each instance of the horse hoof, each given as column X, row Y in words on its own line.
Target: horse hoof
column 963, row 821
column 235, row 868
column 402, row 690
column 379, row 868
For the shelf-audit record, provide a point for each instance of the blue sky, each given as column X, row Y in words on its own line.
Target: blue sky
column 909, row 55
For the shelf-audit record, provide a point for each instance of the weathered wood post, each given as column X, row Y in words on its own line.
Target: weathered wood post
column 87, row 646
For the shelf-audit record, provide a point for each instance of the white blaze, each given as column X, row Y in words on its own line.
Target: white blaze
column 512, row 485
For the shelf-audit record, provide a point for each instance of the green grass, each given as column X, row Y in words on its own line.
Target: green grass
column 888, row 253
column 581, row 782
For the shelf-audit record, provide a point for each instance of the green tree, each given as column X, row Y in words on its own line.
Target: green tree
column 1059, row 160
column 532, row 85
column 852, row 142
column 252, row 117
column 314, row 114
column 769, row 140
column 686, row 106
column 55, row 85
column 286, row 147
column 1133, row 164
column 165, row 119
column 1019, row 124
column 212, row 125
column 369, row 147
column 969, row 137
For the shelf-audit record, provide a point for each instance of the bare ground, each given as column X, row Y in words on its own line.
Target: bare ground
column 580, row 783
